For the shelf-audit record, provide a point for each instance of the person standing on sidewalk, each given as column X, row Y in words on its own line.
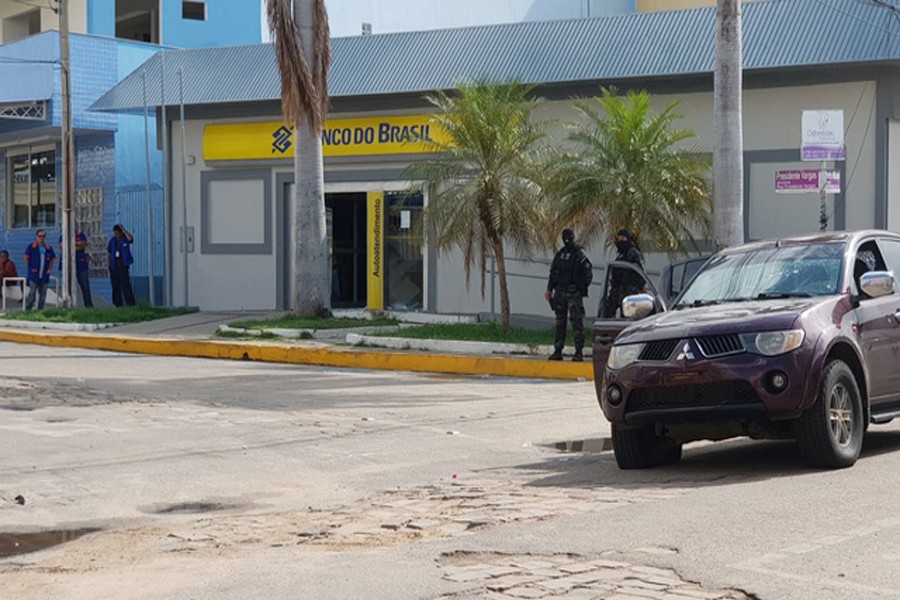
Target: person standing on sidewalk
column 571, row 272
column 120, row 259
column 39, row 257
column 82, row 267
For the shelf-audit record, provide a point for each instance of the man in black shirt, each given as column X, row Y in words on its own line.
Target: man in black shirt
column 570, row 275
column 623, row 283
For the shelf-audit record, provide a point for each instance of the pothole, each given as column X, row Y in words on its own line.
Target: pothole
column 14, row 544
column 587, row 446
column 193, row 508
column 496, row 576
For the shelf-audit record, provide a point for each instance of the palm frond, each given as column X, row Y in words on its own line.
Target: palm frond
column 304, row 90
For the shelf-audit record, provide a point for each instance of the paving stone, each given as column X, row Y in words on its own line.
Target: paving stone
column 613, row 575
column 624, row 596
column 578, row 568
column 641, row 592
column 500, row 571
column 532, row 564
column 526, row 592
column 653, row 571
column 669, row 580
column 465, row 575
column 420, row 524
column 611, row 564
column 641, row 583
column 701, row 594
column 583, row 594
column 562, row 583
column 510, row 581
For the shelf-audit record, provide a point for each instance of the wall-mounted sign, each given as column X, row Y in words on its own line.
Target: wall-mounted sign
column 375, row 239
column 823, row 135
column 807, row 181
column 407, row 134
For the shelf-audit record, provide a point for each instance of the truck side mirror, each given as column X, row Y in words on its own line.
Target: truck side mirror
column 638, row 306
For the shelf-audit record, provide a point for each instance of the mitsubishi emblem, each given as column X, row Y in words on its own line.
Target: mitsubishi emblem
column 686, row 353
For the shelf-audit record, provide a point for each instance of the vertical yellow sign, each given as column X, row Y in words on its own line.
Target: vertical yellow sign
column 374, row 209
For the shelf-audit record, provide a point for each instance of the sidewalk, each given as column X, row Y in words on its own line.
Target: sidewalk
column 193, row 335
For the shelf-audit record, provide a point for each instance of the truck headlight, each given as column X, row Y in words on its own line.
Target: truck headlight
column 773, row 343
column 622, row 356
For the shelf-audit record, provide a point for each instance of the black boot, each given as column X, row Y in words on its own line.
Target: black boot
column 577, row 357
column 557, row 355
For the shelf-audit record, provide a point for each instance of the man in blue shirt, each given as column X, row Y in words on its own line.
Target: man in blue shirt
column 120, row 258
column 39, row 257
column 82, row 266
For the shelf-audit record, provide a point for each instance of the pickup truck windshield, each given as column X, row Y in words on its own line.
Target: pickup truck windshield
column 768, row 273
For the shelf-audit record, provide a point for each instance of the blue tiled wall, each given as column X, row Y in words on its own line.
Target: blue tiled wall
column 113, row 159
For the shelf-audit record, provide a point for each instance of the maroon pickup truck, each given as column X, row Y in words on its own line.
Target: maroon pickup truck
column 796, row 338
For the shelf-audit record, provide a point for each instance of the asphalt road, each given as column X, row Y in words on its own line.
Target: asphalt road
column 222, row 479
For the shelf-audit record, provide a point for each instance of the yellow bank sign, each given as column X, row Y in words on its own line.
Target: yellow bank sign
column 408, row 134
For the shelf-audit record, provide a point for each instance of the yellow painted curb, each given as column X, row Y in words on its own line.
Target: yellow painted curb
column 329, row 357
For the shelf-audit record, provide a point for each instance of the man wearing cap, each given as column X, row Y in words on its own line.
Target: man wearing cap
column 120, row 258
column 570, row 275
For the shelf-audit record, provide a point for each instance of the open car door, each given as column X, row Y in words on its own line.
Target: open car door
column 622, row 279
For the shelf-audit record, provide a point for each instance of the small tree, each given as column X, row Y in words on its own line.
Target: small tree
column 629, row 169
column 482, row 194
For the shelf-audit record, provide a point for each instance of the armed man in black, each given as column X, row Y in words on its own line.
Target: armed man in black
column 570, row 275
column 623, row 283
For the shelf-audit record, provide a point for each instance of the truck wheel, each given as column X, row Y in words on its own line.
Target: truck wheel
column 830, row 433
column 643, row 448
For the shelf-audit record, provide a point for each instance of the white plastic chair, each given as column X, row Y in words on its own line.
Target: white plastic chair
column 6, row 291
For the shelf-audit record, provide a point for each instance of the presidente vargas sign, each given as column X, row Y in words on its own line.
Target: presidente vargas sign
column 407, row 134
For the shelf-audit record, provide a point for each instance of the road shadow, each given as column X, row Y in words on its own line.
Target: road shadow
column 703, row 464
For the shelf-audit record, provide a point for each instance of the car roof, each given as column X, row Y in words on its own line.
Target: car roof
column 846, row 237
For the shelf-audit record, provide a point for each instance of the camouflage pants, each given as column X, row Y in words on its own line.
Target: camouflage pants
column 569, row 304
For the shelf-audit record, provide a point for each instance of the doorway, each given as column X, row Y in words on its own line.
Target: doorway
column 348, row 249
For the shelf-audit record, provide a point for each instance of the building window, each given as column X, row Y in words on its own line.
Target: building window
column 32, row 189
column 196, row 11
column 138, row 20
column 21, row 26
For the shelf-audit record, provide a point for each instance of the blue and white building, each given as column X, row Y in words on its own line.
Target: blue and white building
column 119, row 173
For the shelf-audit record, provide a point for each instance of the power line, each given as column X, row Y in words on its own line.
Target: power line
column 860, row 19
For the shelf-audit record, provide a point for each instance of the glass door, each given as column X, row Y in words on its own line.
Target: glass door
column 403, row 264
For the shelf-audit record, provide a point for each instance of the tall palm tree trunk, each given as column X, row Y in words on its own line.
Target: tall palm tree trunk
column 728, row 157
column 500, row 259
column 311, row 262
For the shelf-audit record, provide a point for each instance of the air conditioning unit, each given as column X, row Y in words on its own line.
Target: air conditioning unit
column 367, row 29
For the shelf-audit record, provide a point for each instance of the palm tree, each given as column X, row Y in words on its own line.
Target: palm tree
column 482, row 192
column 628, row 168
column 303, row 49
column 728, row 159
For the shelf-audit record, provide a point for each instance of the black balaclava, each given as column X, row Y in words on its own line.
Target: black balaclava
column 568, row 237
column 624, row 245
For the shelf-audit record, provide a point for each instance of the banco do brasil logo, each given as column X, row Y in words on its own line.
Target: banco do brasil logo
column 282, row 140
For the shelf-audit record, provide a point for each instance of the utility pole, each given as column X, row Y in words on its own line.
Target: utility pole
column 68, row 154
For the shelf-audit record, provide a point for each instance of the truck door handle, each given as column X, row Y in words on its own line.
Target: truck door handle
column 607, row 339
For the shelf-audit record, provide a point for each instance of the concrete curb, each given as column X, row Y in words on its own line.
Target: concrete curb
column 452, row 346
column 15, row 324
column 319, row 355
